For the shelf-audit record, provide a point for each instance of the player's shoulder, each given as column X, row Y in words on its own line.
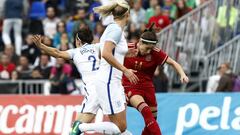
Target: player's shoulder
column 156, row 50
column 113, row 26
column 73, row 49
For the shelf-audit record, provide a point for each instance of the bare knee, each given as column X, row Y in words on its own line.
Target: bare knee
column 122, row 125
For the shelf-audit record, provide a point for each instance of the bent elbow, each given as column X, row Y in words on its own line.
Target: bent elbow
column 105, row 55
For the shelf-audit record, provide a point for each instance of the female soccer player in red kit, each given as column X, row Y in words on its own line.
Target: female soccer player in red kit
column 145, row 58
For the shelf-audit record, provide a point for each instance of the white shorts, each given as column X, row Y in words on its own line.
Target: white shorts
column 111, row 97
column 90, row 103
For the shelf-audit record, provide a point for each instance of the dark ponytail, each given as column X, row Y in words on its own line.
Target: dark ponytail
column 149, row 36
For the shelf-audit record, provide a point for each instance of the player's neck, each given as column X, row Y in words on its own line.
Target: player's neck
column 121, row 23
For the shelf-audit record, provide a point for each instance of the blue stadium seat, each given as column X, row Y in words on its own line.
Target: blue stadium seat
column 37, row 10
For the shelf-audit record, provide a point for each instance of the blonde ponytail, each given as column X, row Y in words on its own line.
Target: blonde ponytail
column 106, row 10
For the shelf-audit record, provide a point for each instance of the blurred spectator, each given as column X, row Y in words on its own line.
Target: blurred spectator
column 132, row 31
column 150, row 11
column 213, row 80
column 172, row 9
column 182, row 8
column 95, row 16
column 236, row 87
column 52, row 3
column 166, row 11
column 160, row 20
column 30, row 50
column 14, row 76
column 61, row 28
column 226, row 81
column 160, row 80
column 65, row 40
column 137, row 14
column 6, row 67
column 99, row 29
column 9, row 51
column 81, row 19
column 42, row 71
column 226, row 19
column 190, row 3
column 13, row 14
column 60, row 75
column 73, row 5
column 50, row 23
column 64, row 47
column 24, row 69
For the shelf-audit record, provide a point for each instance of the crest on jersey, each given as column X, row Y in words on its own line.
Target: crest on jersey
column 148, row 58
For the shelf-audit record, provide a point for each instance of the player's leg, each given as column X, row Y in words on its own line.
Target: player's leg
column 154, row 111
column 114, row 106
column 88, row 109
column 120, row 120
column 150, row 99
column 151, row 124
column 81, row 118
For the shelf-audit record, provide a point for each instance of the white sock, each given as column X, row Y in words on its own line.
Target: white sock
column 126, row 133
column 100, row 127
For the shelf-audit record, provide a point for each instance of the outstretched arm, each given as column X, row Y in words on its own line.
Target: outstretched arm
column 108, row 56
column 50, row 50
column 179, row 69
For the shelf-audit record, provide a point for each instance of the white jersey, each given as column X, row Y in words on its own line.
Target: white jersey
column 86, row 59
column 115, row 34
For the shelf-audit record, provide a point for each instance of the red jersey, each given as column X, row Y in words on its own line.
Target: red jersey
column 145, row 67
column 160, row 21
column 9, row 68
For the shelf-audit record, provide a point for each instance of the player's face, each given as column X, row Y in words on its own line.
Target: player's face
column 145, row 49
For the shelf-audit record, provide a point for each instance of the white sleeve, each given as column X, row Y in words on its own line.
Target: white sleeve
column 71, row 53
column 113, row 34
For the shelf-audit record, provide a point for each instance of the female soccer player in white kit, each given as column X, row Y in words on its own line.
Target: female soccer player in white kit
column 86, row 58
column 109, row 89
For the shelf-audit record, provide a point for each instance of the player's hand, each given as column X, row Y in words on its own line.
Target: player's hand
column 184, row 79
column 129, row 73
column 37, row 40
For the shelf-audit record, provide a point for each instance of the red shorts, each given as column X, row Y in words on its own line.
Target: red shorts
column 148, row 94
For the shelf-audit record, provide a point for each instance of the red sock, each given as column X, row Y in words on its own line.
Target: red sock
column 150, row 123
column 145, row 131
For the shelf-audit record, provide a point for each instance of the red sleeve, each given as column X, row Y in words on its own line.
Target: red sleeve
column 161, row 56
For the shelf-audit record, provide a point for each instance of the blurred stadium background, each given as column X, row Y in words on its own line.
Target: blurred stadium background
column 202, row 35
